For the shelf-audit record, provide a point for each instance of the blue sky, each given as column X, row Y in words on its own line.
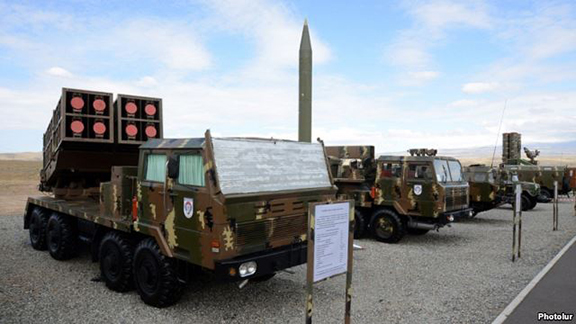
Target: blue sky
column 396, row 74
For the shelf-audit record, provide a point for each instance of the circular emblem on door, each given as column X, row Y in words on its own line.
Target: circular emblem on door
column 417, row 190
column 188, row 207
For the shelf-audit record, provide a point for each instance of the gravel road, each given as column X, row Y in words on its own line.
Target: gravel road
column 461, row 274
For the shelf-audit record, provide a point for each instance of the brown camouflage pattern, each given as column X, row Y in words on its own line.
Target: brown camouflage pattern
column 493, row 192
column 359, row 183
column 221, row 227
column 542, row 175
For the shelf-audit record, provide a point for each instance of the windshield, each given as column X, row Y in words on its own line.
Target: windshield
column 455, row 171
column 448, row 171
column 442, row 173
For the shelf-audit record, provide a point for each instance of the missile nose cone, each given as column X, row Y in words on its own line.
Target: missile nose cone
column 305, row 40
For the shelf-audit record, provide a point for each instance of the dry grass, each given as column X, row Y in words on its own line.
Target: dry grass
column 24, row 156
column 18, row 179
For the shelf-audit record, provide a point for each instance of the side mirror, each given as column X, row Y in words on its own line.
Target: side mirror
column 173, row 167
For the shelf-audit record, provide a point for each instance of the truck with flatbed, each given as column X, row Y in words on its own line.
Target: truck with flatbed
column 395, row 195
column 235, row 208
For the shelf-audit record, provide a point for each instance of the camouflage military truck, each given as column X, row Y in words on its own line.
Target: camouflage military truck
column 490, row 188
column 396, row 195
column 544, row 176
column 233, row 207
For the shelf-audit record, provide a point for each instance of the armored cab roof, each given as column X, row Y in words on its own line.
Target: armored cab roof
column 408, row 158
column 173, row 143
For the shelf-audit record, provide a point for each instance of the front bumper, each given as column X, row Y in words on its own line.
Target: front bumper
column 457, row 214
column 267, row 262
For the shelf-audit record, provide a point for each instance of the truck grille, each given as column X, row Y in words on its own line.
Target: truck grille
column 271, row 232
column 456, row 198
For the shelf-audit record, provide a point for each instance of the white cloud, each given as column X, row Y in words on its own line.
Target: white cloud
column 463, row 103
column 431, row 23
column 147, row 81
column 441, row 14
column 424, row 75
column 173, row 43
column 58, row 72
column 480, row 87
column 274, row 28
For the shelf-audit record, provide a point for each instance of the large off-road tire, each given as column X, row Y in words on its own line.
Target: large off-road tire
column 359, row 224
column 37, row 228
column 155, row 275
column 386, row 226
column 533, row 202
column 61, row 237
column 546, row 194
column 526, row 202
column 116, row 256
column 417, row 231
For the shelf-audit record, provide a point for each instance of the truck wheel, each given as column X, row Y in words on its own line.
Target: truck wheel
column 526, row 203
column 116, row 254
column 359, row 224
column 155, row 275
column 61, row 237
column 417, row 231
column 263, row 278
column 387, row 226
column 533, row 202
column 546, row 194
column 37, row 229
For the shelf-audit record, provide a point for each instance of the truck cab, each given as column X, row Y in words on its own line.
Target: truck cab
column 396, row 195
column 490, row 188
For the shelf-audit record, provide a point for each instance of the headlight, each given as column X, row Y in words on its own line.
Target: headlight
column 247, row 269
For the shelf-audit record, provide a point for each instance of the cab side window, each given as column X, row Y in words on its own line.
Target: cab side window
column 416, row 171
column 191, row 170
column 391, row 170
column 156, row 167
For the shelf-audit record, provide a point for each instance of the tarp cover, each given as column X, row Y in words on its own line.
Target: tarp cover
column 251, row 166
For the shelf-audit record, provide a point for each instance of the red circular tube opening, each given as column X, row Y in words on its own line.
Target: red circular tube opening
column 150, row 110
column 77, row 127
column 151, row 131
column 99, row 128
column 77, row 103
column 99, row 105
column 131, row 130
column 131, row 108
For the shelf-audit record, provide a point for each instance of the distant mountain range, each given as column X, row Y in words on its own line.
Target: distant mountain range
column 546, row 149
column 563, row 153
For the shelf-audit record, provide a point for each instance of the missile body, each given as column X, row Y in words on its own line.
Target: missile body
column 305, row 88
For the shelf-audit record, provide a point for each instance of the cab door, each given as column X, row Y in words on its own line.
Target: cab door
column 419, row 183
column 190, row 204
column 151, row 189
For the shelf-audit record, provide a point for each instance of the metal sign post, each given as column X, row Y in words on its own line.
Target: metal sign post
column 330, row 245
column 517, row 223
column 555, row 208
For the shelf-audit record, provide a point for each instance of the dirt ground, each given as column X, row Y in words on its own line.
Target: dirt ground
column 18, row 180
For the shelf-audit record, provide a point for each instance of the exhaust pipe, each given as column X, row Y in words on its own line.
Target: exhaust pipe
column 419, row 225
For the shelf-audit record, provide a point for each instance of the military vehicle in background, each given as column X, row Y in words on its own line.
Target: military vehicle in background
column 531, row 171
column 234, row 207
column 395, row 195
column 491, row 187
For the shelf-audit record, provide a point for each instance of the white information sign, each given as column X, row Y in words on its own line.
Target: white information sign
column 331, row 230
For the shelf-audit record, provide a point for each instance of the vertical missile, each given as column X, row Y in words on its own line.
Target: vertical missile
column 305, row 87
